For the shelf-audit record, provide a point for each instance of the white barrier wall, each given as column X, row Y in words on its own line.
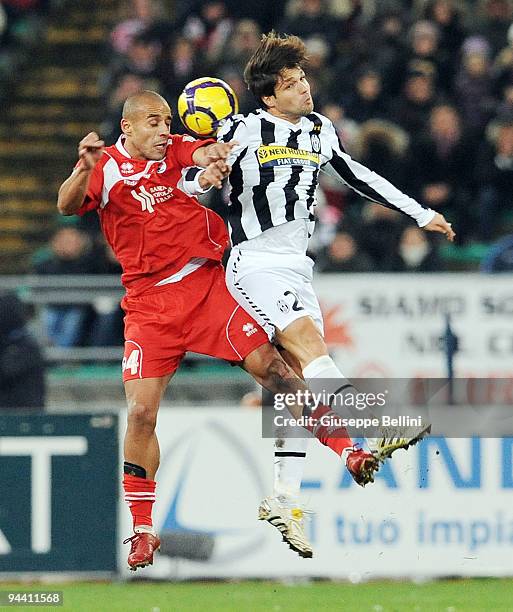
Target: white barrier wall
column 442, row 508
column 390, row 325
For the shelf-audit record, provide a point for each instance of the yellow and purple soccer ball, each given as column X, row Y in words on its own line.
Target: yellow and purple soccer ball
column 205, row 104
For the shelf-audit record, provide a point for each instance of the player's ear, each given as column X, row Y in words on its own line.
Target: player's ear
column 126, row 127
column 269, row 101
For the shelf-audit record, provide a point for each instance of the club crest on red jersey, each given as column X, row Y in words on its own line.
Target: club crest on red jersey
column 126, row 168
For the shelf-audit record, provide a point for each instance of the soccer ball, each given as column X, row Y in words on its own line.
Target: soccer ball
column 205, row 104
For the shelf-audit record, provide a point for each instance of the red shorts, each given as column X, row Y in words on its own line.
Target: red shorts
column 197, row 314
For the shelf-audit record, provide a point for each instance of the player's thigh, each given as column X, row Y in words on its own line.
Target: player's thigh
column 276, row 298
column 153, row 336
column 220, row 327
column 303, row 339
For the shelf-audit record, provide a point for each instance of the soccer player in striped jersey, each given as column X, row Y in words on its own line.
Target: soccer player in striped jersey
column 275, row 168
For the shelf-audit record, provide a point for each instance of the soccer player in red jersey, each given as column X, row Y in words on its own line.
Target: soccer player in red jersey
column 170, row 248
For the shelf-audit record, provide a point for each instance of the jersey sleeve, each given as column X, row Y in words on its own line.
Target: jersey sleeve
column 185, row 145
column 234, row 129
column 93, row 196
column 189, row 181
column 367, row 183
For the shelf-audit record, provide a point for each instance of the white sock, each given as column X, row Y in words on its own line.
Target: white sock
column 145, row 529
column 289, row 462
column 323, row 377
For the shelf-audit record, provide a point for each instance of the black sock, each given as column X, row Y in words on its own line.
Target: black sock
column 134, row 470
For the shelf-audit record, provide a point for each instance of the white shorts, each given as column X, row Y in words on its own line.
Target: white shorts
column 275, row 289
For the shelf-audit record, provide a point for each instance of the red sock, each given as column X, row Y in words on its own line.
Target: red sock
column 140, row 495
column 331, row 435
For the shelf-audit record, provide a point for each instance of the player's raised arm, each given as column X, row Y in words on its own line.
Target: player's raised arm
column 374, row 187
column 196, row 181
column 215, row 152
column 73, row 190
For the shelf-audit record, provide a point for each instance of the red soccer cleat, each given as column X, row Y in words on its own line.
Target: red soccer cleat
column 361, row 466
column 143, row 545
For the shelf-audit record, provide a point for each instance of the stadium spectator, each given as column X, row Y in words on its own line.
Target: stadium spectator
column 140, row 60
column 440, row 167
column 107, row 327
column 71, row 252
column 473, row 86
column 415, row 253
column 495, row 168
column 318, row 69
column 447, row 18
column 209, row 29
column 309, row 18
column 425, row 55
column 367, row 100
column 22, row 368
column 388, row 50
column 495, row 21
column 504, row 110
column 411, row 110
column 128, row 85
column 502, row 69
column 146, row 17
column 179, row 64
column 379, row 232
column 382, row 145
column 344, row 255
column 241, row 45
column 236, row 81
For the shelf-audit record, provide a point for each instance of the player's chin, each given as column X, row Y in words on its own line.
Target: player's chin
column 156, row 153
column 308, row 107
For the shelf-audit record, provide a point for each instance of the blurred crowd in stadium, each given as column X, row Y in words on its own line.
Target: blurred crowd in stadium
column 21, row 22
column 420, row 91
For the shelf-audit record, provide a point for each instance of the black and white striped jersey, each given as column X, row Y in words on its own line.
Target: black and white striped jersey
column 275, row 170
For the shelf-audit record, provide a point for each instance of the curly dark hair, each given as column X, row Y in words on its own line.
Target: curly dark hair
column 274, row 54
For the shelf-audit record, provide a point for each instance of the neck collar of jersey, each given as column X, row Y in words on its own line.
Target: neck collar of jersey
column 279, row 119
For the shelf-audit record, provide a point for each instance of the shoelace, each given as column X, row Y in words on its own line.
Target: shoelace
column 131, row 538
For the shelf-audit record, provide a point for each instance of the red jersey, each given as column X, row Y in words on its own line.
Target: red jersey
column 153, row 227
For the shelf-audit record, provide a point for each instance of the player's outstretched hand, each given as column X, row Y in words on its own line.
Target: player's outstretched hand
column 90, row 150
column 440, row 225
column 220, row 150
column 214, row 174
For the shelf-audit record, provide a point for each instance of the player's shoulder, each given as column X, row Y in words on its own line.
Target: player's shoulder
column 236, row 123
column 181, row 138
column 108, row 153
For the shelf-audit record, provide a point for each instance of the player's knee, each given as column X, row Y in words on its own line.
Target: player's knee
column 303, row 340
column 142, row 416
column 277, row 369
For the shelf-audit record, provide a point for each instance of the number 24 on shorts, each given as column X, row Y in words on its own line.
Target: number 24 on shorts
column 132, row 362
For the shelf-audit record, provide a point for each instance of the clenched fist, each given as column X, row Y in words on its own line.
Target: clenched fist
column 90, row 150
column 214, row 174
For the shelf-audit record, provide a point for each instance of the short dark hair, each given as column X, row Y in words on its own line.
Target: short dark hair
column 274, row 54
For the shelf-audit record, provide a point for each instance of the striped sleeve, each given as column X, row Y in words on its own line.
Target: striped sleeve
column 189, row 181
column 234, row 129
column 367, row 183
